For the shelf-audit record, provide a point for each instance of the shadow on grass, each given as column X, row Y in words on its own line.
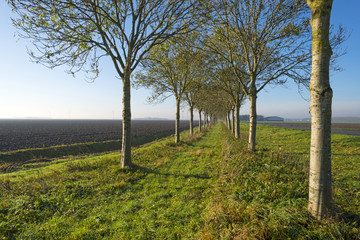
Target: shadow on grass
column 347, row 217
column 146, row 170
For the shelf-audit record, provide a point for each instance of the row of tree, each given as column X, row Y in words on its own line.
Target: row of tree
column 244, row 46
column 210, row 54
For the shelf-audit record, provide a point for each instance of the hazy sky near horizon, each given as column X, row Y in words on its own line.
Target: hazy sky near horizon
column 30, row 90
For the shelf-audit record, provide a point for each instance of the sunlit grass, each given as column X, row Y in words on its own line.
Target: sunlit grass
column 93, row 198
column 207, row 187
column 263, row 195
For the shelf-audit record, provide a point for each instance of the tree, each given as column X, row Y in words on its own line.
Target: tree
column 189, row 98
column 192, row 94
column 320, row 189
column 212, row 102
column 170, row 69
column 272, row 40
column 198, row 66
column 198, row 97
column 78, row 33
column 225, row 80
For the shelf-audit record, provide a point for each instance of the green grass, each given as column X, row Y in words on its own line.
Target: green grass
column 93, row 198
column 263, row 195
column 207, row 187
column 351, row 129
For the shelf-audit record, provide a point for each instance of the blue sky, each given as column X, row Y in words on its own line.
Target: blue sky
column 29, row 90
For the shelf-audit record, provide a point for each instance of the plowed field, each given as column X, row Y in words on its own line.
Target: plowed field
column 23, row 134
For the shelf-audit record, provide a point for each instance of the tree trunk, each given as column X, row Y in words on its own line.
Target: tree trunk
column 177, row 121
column 237, row 120
column 205, row 119
column 320, row 189
column 126, row 122
column 253, row 120
column 191, row 120
column 233, row 121
column 228, row 123
column 200, row 121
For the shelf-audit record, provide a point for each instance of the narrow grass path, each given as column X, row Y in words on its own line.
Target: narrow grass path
column 168, row 202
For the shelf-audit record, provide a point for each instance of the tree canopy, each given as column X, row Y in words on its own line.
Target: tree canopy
column 170, row 69
column 79, row 33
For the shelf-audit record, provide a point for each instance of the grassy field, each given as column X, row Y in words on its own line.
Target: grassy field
column 207, row 187
column 264, row 195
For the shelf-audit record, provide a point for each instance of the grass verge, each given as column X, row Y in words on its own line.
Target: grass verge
column 263, row 195
column 93, row 198
column 207, row 187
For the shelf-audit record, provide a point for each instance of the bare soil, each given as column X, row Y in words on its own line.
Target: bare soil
column 24, row 134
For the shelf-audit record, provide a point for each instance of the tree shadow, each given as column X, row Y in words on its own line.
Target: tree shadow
column 347, row 217
column 136, row 168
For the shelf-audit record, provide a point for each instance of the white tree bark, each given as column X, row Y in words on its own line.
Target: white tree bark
column 200, row 121
column 253, row 116
column 237, row 118
column 191, row 120
column 233, row 121
column 126, row 121
column 177, row 121
column 320, row 189
column 228, row 115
